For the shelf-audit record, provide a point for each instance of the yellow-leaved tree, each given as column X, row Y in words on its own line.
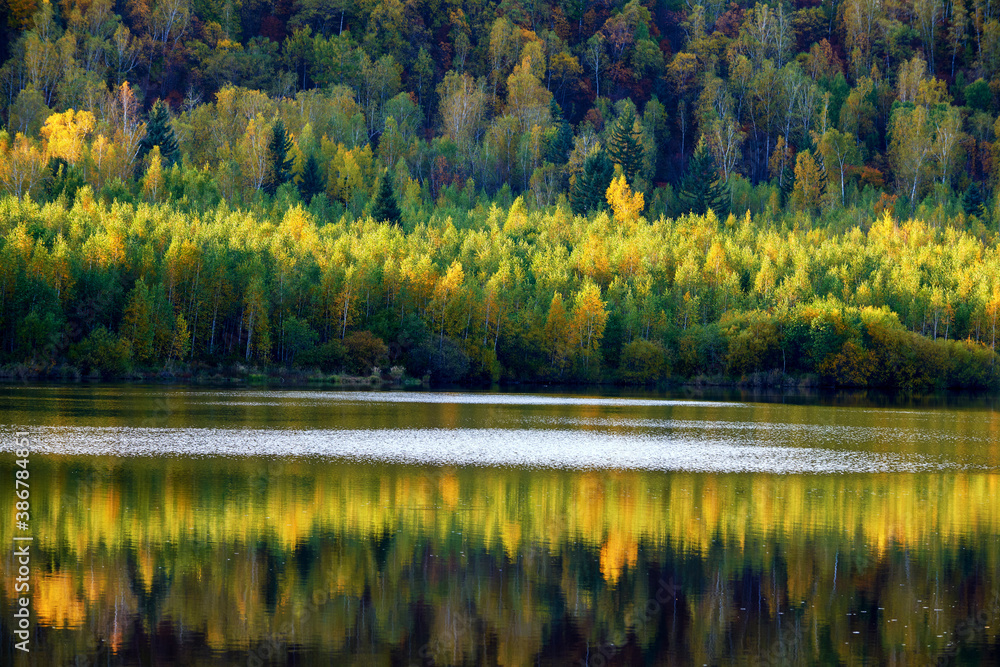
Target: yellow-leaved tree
column 152, row 183
column 21, row 166
column 557, row 335
column 627, row 205
column 589, row 318
column 65, row 132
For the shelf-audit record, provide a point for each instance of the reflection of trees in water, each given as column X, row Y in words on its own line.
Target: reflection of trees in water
column 414, row 566
column 151, row 594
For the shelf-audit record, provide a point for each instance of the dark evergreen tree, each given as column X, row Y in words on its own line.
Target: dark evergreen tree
column 591, row 185
column 787, row 183
column 702, row 188
column 312, row 182
column 160, row 133
column 972, row 200
column 279, row 162
column 623, row 145
column 385, row 208
column 562, row 142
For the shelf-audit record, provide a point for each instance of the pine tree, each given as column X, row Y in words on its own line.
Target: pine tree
column 279, row 163
column 592, row 184
column 385, row 208
column 624, row 147
column 562, row 142
column 312, row 182
column 160, row 133
column 787, row 184
column 701, row 188
column 972, row 200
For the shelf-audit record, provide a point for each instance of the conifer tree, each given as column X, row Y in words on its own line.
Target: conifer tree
column 701, row 188
column 624, row 147
column 279, row 163
column 312, row 182
column 787, row 184
column 160, row 133
column 562, row 142
column 385, row 208
column 592, row 184
column 972, row 200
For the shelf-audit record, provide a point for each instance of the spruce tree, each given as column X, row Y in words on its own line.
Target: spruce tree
column 623, row 145
column 701, row 188
column 385, row 208
column 592, row 184
column 787, row 184
column 562, row 142
column 160, row 133
column 972, row 200
column 279, row 163
column 312, row 180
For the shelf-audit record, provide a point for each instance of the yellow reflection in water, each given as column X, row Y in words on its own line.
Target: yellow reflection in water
column 235, row 547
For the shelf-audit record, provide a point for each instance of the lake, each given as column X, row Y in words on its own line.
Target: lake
column 193, row 526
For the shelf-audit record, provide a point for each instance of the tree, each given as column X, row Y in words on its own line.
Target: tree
column 562, row 142
column 972, row 200
column 595, row 57
column 910, row 148
column 592, row 184
column 279, row 162
column 839, row 150
column 808, row 182
column 312, row 182
column 589, row 319
column 152, row 182
column 557, row 334
column 137, row 322
column 65, row 134
column 948, row 137
column 181, row 343
column 22, row 166
column 702, row 188
column 160, row 133
column 385, row 208
column 623, row 146
column 627, row 206
column 527, row 98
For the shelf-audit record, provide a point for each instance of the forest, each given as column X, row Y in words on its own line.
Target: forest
column 511, row 191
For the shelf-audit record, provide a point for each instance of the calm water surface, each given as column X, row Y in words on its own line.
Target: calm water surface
column 253, row 527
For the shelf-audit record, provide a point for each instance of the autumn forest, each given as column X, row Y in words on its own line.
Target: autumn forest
column 515, row 191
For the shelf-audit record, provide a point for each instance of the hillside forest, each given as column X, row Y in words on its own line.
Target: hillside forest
column 516, row 191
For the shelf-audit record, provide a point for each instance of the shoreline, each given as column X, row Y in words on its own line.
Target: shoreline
column 238, row 375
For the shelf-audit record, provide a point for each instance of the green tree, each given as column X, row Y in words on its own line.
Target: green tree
column 592, row 184
column 137, row 322
column 701, row 188
column 972, row 200
column 839, row 151
column 624, row 146
column 181, row 343
column 279, row 162
column 385, row 208
column 160, row 133
column 312, row 182
column 562, row 142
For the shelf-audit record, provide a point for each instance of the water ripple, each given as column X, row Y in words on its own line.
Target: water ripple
column 484, row 447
